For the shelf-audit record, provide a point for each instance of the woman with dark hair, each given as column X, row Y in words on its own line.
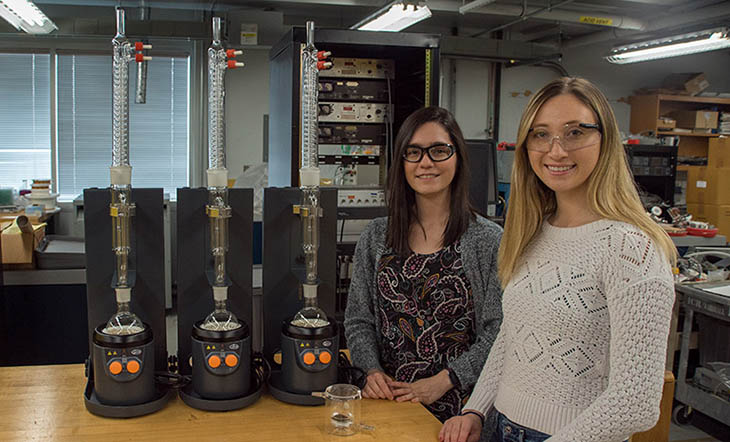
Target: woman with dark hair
column 424, row 303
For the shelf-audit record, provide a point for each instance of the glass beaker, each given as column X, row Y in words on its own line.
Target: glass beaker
column 342, row 409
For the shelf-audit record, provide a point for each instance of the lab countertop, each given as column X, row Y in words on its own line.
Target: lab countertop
column 699, row 241
column 45, row 277
column 46, row 403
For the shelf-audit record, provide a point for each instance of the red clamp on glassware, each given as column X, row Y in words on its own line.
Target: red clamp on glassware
column 322, row 55
column 233, row 64
column 323, row 65
column 139, row 57
column 230, row 53
column 139, row 46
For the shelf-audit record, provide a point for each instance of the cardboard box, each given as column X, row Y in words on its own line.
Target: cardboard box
column 696, row 119
column 665, row 123
column 717, row 215
column 690, row 83
column 718, row 152
column 708, row 185
column 17, row 246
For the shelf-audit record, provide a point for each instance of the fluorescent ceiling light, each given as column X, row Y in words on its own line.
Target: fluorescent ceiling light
column 25, row 16
column 685, row 44
column 394, row 17
column 463, row 9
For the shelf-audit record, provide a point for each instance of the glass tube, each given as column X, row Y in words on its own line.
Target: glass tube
column 122, row 54
column 218, row 214
column 309, row 214
column 309, row 108
column 217, row 65
column 121, row 211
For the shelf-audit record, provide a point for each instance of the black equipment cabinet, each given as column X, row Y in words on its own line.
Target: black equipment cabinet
column 415, row 85
column 654, row 169
column 43, row 324
column 483, row 168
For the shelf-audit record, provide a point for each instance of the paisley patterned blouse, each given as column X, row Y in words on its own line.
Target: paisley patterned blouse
column 426, row 314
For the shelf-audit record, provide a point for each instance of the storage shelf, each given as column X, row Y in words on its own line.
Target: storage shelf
column 686, row 134
column 349, row 159
column 691, row 99
column 646, row 110
column 361, row 212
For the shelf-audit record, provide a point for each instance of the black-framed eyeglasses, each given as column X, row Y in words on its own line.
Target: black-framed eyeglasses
column 437, row 152
column 574, row 137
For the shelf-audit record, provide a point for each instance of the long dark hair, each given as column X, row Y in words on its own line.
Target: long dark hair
column 402, row 198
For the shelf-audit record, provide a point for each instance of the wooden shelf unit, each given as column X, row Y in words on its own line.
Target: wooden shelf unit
column 646, row 110
column 686, row 134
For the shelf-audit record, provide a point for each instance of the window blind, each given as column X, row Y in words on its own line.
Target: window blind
column 25, row 118
column 158, row 129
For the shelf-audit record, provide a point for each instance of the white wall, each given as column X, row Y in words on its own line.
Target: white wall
column 247, row 101
column 518, row 86
column 471, row 97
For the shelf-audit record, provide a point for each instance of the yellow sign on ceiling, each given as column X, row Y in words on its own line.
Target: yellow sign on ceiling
column 596, row 20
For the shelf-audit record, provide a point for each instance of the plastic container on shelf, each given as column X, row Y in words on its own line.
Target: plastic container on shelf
column 7, row 197
column 679, row 232
column 706, row 233
column 34, row 210
column 48, row 201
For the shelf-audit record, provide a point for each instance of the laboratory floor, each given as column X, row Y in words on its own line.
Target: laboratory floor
column 688, row 433
column 701, row 429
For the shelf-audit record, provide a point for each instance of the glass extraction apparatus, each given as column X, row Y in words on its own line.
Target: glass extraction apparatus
column 309, row 340
column 123, row 348
column 221, row 343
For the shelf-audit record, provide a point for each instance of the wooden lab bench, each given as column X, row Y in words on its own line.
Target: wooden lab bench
column 46, row 403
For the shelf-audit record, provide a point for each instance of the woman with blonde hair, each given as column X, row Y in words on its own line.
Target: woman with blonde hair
column 588, row 290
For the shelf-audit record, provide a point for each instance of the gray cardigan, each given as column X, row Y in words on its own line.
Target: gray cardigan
column 479, row 245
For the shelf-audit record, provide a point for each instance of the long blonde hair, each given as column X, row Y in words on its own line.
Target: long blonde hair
column 611, row 190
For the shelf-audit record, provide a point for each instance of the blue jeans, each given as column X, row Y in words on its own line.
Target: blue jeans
column 508, row 431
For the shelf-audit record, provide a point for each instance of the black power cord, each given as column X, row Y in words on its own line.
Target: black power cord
column 172, row 380
column 349, row 374
column 261, row 368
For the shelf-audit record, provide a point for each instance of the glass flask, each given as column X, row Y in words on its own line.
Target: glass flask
column 311, row 316
column 124, row 322
column 221, row 319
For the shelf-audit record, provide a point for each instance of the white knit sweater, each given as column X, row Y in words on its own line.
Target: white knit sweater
column 580, row 354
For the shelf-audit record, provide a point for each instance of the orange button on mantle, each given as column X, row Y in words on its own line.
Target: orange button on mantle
column 133, row 366
column 325, row 357
column 214, row 361
column 309, row 358
column 115, row 367
column 231, row 360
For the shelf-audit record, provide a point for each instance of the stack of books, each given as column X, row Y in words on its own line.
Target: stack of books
column 724, row 126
